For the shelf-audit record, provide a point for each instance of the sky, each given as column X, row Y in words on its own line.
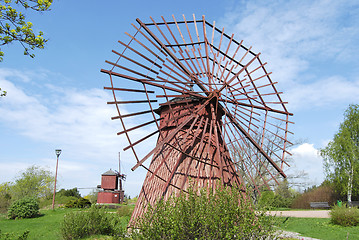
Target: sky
column 56, row 100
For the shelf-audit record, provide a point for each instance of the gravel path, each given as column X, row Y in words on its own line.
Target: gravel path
column 286, row 234
column 301, row 214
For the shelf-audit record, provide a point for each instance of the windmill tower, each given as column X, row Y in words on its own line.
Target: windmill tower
column 202, row 107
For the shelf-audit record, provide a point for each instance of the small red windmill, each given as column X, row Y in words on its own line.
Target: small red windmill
column 206, row 100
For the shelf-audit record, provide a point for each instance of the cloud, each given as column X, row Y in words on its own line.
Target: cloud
column 325, row 92
column 77, row 121
column 307, row 45
column 306, row 157
column 74, row 119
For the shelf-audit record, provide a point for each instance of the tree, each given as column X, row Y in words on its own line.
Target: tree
column 14, row 28
column 74, row 192
column 254, row 168
column 341, row 155
column 2, row 93
column 33, row 182
column 13, row 25
column 5, row 196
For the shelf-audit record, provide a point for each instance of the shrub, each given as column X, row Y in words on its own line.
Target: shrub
column 10, row 236
column 226, row 214
column 78, row 203
column 24, row 208
column 125, row 210
column 74, row 192
column 59, row 200
column 345, row 216
column 92, row 222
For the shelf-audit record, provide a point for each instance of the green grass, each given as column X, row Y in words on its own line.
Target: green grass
column 47, row 226
column 320, row 228
column 43, row 227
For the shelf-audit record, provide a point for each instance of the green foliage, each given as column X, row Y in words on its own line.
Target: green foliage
column 14, row 236
column 282, row 197
column 14, row 27
column 226, row 214
column 92, row 222
column 78, row 203
column 5, row 196
column 59, row 200
column 341, row 156
column 33, row 182
column 92, row 197
column 24, row 208
column 2, row 93
column 344, row 216
column 46, row 227
column 125, row 211
column 74, row 192
column 271, row 199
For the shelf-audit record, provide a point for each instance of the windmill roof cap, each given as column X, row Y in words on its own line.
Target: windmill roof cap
column 110, row 173
column 178, row 99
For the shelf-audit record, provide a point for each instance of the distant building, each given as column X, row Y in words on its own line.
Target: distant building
column 110, row 188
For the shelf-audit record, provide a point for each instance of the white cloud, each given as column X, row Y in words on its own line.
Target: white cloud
column 74, row 119
column 306, row 157
column 299, row 40
column 77, row 121
column 323, row 92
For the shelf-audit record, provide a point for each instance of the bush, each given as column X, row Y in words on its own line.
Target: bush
column 125, row 210
column 269, row 199
column 345, row 216
column 92, row 222
column 10, row 236
column 59, row 200
column 78, row 203
column 223, row 215
column 74, row 192
column 24, row 208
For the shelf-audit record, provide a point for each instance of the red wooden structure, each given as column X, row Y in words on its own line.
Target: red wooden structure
column 110, row 191
column 206, row 100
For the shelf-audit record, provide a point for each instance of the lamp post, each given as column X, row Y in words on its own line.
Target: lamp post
column 58, row 152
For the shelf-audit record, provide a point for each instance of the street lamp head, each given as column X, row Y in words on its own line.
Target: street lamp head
column 58, row 152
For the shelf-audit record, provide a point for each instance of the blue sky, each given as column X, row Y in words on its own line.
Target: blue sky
column 56, row 99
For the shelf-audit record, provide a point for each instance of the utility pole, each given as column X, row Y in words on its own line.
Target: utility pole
column 58, row 152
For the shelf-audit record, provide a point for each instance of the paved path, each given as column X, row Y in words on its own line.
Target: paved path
column 302, row 214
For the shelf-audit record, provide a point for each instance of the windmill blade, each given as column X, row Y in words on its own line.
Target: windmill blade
column 208, row 100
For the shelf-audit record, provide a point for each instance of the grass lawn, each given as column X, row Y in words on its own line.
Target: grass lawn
column 47, row 226
column 44, row 227
column 320, row 228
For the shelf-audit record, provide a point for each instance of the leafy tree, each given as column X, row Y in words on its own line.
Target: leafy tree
column 255, row 172
column 2, row 93
column 13, row 25
column 33, row 182
column 15, row 28
column 5, row 196
column 74, row 192
column 92, row 196
column 341, row 156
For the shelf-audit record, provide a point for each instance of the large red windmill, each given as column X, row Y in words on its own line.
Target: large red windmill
column 204, row 104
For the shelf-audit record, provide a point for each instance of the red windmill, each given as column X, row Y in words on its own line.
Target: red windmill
column 207, row 101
